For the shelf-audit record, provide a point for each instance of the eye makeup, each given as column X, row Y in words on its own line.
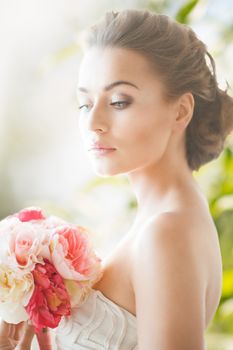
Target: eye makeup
column 116, row 97
column 119, row 97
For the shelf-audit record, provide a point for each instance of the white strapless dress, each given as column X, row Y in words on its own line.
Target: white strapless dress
column 97, row 324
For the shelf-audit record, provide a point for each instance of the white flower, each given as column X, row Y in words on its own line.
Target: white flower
column 16, row 289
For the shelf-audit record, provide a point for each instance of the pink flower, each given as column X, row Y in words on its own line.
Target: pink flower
column 27, row 238
column 30, row 213
column 47, row 266
column 73, row 255
column 27, row 242
column 21, row 243
column 50, row 300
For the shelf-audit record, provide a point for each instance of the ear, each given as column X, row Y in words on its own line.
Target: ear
column 184, row 111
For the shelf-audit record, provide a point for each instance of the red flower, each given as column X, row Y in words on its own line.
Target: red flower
column 50, row 299
column 30, row 213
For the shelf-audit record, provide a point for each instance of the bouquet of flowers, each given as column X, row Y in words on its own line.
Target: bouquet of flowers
column 47, row 266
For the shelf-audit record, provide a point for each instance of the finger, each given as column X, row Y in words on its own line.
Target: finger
column 11, row 330
column 19, row 330
column 10, row 335
column 27, row 337
column 44, row 339
column 5, row 344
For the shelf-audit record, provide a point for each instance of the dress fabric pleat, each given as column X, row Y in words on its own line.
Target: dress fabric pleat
column 98, row 324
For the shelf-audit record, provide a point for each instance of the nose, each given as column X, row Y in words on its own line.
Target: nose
column 97, row 119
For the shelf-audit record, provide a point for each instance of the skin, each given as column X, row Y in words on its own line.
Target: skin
column 11, row 334
column 173, row 224
column 20, row 336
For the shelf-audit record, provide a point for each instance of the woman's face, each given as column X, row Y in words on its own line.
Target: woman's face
column 133, row 118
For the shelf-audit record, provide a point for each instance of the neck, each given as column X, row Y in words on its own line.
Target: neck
column 157, row 186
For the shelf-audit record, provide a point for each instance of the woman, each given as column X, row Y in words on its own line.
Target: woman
column 148, row 95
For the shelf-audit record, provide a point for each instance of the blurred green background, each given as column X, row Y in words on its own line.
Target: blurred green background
column 42, row 161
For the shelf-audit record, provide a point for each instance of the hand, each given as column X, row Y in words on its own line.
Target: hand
column 20, row 336
column 27, row 336
column 16, row 336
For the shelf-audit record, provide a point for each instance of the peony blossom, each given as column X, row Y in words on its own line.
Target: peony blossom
column 50, row 300
column 78, row 291
column 72, row 254
column 16, row 289
column 24, row 243
column 47, row 266
column 30, row 213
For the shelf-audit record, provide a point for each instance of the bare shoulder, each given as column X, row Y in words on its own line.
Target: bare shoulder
column 187, row 230
column 170, row 282
column 174, row 229
column 170, row 235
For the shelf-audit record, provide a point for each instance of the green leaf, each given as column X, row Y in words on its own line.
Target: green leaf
column 227, row 287
column 185, row 10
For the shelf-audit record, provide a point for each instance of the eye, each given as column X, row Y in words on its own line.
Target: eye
column 80, row 107
column 121, row 103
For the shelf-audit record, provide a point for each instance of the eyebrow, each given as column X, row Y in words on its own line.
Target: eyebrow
column 110, row 86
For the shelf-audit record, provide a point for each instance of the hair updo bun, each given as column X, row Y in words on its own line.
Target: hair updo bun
column 181, row 59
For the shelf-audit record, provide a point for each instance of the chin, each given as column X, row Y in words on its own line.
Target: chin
column 106, row 173
column 114, row 168
column 109, row 172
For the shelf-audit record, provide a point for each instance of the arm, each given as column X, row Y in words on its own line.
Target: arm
column 169, row 286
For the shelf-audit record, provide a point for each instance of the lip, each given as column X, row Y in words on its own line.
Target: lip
column 98, row 146
column 102, row 151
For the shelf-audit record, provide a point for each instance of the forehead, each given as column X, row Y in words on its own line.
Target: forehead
column 100, row 66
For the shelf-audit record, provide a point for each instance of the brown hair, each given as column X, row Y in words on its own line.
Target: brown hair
column 179, row 56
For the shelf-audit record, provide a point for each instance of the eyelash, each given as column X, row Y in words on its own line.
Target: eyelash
column 126, row 103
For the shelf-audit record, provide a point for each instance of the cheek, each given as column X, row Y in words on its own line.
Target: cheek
column 148, row 135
